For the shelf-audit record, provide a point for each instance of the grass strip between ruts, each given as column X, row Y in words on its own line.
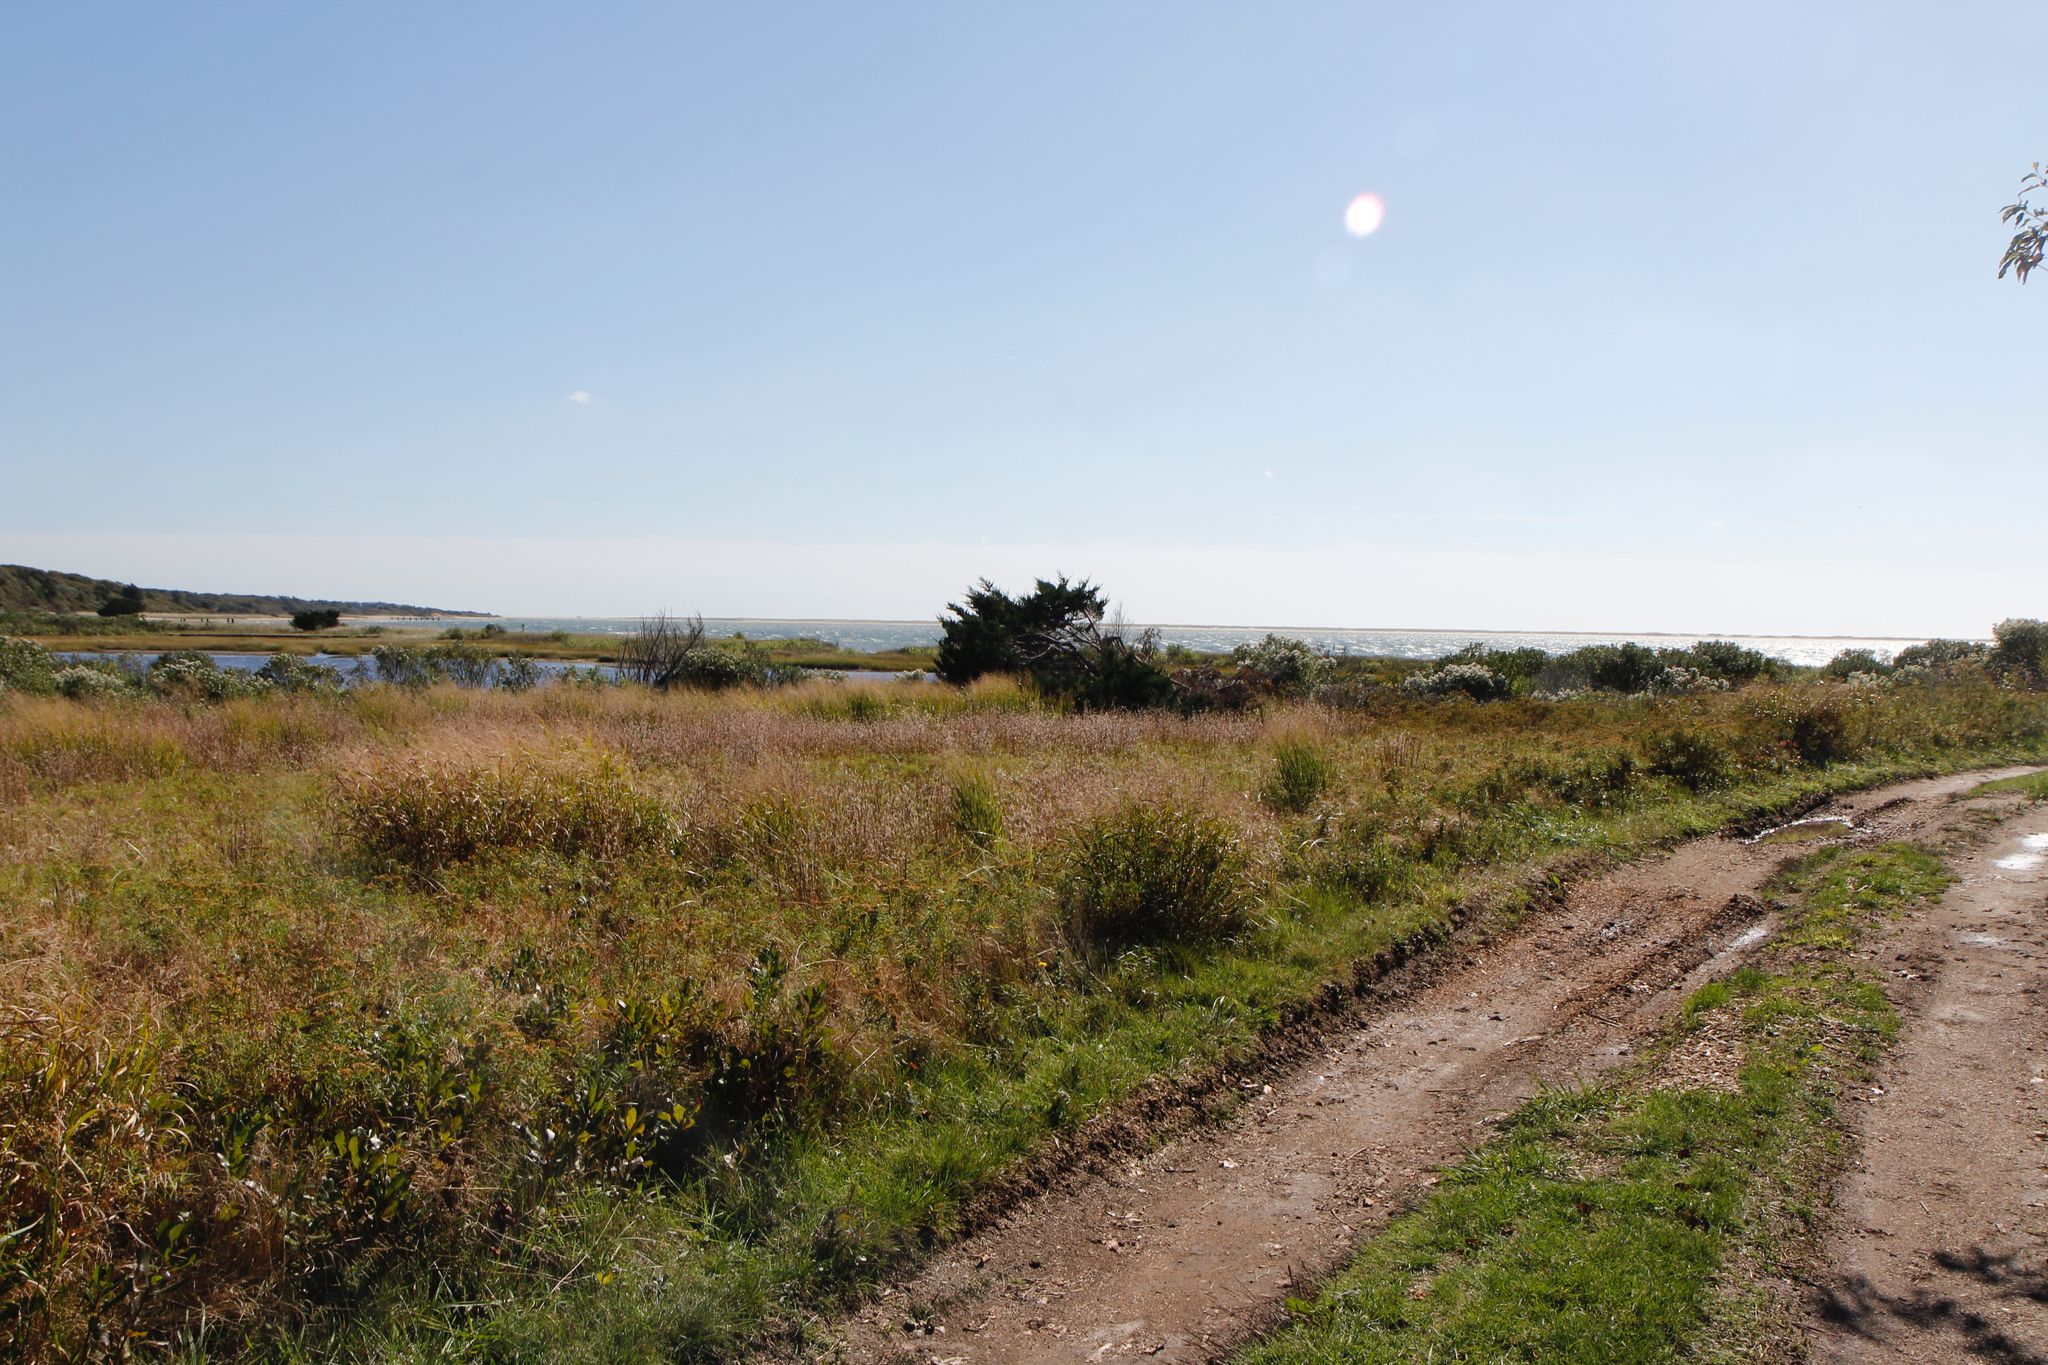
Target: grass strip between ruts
column 1637, row 1219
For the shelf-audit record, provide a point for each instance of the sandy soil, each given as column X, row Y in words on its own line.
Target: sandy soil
column 1939, row 1247
column 1178, row 1254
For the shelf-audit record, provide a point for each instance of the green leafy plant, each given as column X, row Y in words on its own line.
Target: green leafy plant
column 1155, row 874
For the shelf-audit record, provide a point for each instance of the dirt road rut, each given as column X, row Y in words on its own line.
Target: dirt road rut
column 1183, row 1252
column 1940, row 1244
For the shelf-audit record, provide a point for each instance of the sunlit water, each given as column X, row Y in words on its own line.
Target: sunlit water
column 1394, row 644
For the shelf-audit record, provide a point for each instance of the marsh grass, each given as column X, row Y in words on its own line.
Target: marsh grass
column 786, row 983
column 1303, row 772
column 425, row 817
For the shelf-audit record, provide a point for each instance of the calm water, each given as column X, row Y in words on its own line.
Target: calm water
column 353, row 668
column 1397, row 644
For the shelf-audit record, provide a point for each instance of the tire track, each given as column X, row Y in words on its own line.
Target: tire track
column 1180, row 1253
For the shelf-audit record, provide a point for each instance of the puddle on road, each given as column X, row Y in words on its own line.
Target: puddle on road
column 1812, row 828
column 2034, row 841
column 2019, row 862
column 1750, row 937
column 1982, row 940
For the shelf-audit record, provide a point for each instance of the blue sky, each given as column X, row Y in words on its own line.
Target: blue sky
column 1681, row 317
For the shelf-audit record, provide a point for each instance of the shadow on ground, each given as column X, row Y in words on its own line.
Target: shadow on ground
column 1855, row 1305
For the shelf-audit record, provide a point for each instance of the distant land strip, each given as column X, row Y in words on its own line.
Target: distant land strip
column 25, row 589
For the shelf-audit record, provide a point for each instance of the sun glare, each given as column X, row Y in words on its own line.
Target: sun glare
column 1363, row 215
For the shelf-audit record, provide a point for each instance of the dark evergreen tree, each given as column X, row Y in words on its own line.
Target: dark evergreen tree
column 126, row 602
column 997, row 633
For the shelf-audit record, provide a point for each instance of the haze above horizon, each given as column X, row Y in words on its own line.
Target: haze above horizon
column 1574, row 318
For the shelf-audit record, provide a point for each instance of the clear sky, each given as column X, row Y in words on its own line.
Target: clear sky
column 1681, row 316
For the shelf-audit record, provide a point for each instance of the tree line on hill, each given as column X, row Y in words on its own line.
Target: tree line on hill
column 24, row 589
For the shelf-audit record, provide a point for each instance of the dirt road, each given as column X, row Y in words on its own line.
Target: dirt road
column 1177, row 1255
column 1939, row 1250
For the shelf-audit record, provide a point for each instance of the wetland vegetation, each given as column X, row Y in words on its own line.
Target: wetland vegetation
column 610, row 1022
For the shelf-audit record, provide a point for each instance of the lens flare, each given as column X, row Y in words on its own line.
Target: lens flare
column 1363, row 215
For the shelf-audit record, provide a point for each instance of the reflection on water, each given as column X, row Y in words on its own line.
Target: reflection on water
column 1395, row 644
column 1804, row 831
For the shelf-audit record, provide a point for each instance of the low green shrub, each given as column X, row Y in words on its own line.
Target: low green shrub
column 1476, row 681
column 1852, row 662
column 518, row 673
column 1941, row 654
column 1155, row 874
column 1822, row 731
column 293, row 673
column 1357, row 860
column 1725, row 660
column 81, row 682
column 1282, row 666
column 192, row 675
column 26, row 666
column 1692, row 758
column 2020, row 656
column 1597, row 781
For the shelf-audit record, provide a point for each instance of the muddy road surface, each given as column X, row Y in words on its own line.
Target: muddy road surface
column 1180, row 1253
column 1939, row 1244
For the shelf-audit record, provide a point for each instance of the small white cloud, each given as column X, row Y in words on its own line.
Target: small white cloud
column 583, row 397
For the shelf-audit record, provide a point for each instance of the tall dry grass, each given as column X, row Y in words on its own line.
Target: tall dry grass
column 384, row 954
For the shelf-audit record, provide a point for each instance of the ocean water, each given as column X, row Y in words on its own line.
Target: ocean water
column 1397, row 644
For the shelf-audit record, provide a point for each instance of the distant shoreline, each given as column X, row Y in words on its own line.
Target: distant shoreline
column 1324, row 629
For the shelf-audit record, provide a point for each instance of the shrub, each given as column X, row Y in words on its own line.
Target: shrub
column 1476, row 681
column 1598, row 781
column 1724, row 659
column 1302, row 772
column 2020, row 656
column 82, row 682
column 291, row 673
column 466, row 665
column 1822, row 731
column 666, row 652
column 519, row 673
column 189, row 675
column 315, row 619
column 26, row 666
column 405, row 665
column 1106, row 672
column 1152, row 874
column 1692, row 758
column 1941, row 654
column 1851, row 662
column 1677, row 680
column 425, row 818
column 1359, row 860
column 1516, row 665
column 1627, row 668
column 1287, row 667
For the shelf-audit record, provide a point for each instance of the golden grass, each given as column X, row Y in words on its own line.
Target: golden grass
column 434, row 918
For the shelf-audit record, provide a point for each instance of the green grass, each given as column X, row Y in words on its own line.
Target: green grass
column 2027, row 784
column 663, row 1023
column 1628, row 1223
